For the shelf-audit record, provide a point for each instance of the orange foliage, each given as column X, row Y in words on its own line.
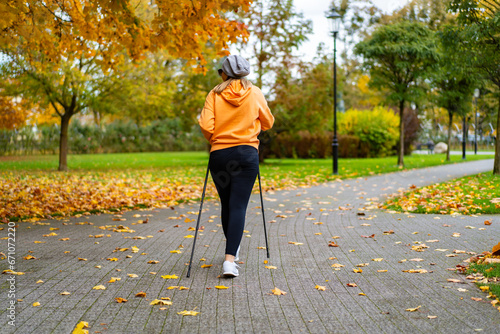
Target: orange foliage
column 73, row 28
column 12, row 116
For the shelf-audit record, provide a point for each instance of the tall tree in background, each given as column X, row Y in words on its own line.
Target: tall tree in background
column 63, row 50
column 480, row 29
column 454, row 80
column 398, row 58
column 277, row 31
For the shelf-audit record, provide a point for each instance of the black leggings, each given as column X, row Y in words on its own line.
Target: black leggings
column 234, row 170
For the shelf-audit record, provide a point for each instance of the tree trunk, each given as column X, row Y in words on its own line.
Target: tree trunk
column 450, row 124
column 496, row 164
column 401, row 133
column 63, row 142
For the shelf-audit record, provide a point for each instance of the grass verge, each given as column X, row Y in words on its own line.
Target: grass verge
column 468, row 195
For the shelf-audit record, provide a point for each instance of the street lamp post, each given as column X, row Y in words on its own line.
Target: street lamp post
column 464, row 143
column 334, row 19
column 476, row 96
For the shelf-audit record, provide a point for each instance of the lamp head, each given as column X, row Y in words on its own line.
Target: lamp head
column 334, row 20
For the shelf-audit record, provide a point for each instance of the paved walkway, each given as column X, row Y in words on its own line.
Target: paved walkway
column 376, row 305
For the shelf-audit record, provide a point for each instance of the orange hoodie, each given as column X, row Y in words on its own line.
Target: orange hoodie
column 235, row 117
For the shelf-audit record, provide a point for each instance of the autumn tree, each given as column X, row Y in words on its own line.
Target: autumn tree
column 276, row 30
column 398, row 58
column 480, row 35
column 54, row 47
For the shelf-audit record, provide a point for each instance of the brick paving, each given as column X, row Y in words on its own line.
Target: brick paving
column 248, row 305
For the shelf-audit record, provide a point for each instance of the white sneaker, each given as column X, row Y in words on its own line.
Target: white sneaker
column 237, row 257
column 230, row 269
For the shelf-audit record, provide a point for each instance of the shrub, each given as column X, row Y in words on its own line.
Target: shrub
column 376, row 129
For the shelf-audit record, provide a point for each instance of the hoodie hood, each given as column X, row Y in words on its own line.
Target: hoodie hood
column 235, row 94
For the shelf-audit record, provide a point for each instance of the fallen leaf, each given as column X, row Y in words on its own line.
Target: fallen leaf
column 99, row 287
column 378, row 259
column 416, row 271
column 153, row 262
column 454, row 280
column 432, row 316
column 114, row 279
column 79, row 329
column 270, row 267
column 132, row 275
column 191, row 313
column 320, row 288
column 382, row 271
column 175, row 251
column 141, row 294
column 361, row 294
column 413, row 309
column 332, row 244
column 476, row 299
column 462, row 290
column 112, row 259
column 121, row 300
column 484, row 288
column 352, row 285
column 337, row 265
column 278, row 292
column 357, row 271
column 160, row 302
column 221, row 287
column 206, row 265
column 488, row 222
column 295, row 243
column 169, row 276
column 65, row 293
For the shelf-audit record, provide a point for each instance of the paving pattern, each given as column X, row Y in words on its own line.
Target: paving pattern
column 299, row 251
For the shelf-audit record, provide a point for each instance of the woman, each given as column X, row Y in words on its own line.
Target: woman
column 235, row 112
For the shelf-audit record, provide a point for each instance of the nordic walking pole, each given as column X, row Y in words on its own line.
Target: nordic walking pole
column 198, row 222
column 263, row 215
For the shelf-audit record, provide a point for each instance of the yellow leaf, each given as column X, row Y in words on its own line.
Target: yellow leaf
column 183, row 288
column 189, row 236
column 484, row 288
column 65, row 293
column 29, row 257
column 175, row 251
column 271, row 267
column 82, row 259
column 121, row 300
column 192, row 313
column 261, row 247
column 413, row 309
column 378, row 259
column 132, row 275
column 99, row 287
column 114, row 279
column 432, row 316
column 221, row 287
column 320, row 288
column 357, row 271
column 53, row 234
column 319, row 233
column 112, row 259
column 79, row 329
column 141, row 294
column 135, row 249
column 153, row 262
column 295, row 243
column 278, row 292
column 361, row 294
column 382, row 271
column 337, row 265
column 172, row 287
column 39, row 281
column 160, row 302
column 169, row 276
column 36, row 304
column 206, row 265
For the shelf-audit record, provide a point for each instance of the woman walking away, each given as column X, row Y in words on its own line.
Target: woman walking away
column 234, row 114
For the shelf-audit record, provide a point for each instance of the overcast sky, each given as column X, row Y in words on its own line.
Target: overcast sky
column 315, row 10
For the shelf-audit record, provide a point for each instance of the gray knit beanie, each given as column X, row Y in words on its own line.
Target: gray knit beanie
column 236, row 66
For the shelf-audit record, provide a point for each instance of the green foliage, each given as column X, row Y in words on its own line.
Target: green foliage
column 399, row 57
column 376, row 129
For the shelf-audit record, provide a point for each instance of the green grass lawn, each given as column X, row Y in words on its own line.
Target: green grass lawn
column 32, row 187
column 161, row 160
column 489, row 271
